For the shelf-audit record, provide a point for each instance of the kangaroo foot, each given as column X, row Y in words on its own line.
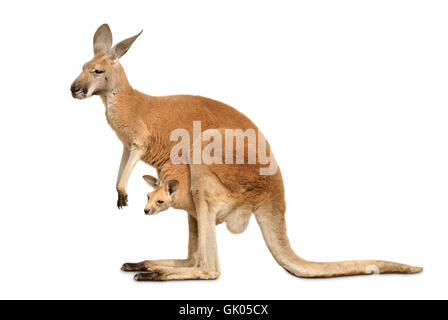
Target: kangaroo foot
column 148, row 276
column 122, row 200
column 188, row 273
column 152, row 265
column 139, row 266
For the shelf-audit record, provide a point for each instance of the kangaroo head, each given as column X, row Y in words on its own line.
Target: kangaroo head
column 162, row 197
column 103, row 73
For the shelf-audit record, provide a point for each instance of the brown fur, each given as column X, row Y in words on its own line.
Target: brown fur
column 143, row 123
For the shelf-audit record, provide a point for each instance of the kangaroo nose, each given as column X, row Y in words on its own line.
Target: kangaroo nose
column 75, row 88
column 147, row 211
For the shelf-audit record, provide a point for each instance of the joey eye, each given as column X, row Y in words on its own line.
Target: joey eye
column 98, row 71
column 159, row 201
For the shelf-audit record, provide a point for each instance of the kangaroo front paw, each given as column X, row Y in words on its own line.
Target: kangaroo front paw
column 122, row 200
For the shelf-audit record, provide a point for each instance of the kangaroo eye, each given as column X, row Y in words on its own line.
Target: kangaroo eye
column 159, row 201
column 98, row 71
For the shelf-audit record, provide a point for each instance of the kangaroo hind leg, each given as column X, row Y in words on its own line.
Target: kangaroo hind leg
column 206, row 266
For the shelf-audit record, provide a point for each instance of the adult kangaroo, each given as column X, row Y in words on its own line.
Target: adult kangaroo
column 220, row 192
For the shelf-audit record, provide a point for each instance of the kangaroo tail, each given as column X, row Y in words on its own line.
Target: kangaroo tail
column 273, row 228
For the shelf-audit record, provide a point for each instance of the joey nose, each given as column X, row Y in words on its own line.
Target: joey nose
column 147, row 211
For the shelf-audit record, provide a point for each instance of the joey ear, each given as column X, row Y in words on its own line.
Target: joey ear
column 122, row 47
column 102, row 40
column 172, row 186
column 153, row 182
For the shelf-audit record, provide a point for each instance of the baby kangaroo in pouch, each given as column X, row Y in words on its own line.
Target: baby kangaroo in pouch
column 167, row 195
column 230, row 188
column 162, row 197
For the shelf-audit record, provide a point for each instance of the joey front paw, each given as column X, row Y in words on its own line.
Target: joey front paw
column 122, row 200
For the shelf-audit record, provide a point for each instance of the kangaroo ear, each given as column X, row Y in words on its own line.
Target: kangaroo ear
column 102, row 40
column 153, row 182
column 172, row 186
column 122, row 47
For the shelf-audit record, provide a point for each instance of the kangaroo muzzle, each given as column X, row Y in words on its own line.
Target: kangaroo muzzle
column 78, row 92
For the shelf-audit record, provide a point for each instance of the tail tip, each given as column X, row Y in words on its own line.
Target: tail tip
column 416, row 269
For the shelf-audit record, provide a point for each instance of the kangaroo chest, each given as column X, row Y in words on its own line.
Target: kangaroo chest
column 114, row 116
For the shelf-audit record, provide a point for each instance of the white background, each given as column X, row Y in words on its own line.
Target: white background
column 352, row 96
